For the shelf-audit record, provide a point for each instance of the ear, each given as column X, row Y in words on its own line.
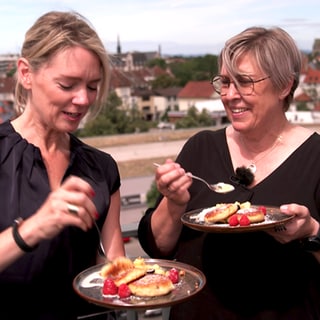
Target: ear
column 285, row 92
column 24, row 73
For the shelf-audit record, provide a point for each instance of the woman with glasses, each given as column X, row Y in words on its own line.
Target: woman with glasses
column 261, row 274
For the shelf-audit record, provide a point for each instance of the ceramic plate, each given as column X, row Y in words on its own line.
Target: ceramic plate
column 273, row 218
column 88, row 284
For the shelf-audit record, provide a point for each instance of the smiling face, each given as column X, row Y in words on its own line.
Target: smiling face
column 258, row 110
column 62, row 90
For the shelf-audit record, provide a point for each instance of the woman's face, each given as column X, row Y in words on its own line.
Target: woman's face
column 63, row 89
column 258, row 110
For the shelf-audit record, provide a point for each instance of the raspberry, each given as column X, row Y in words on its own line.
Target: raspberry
column 233, row 221
column 244, row 221
column 124, row 291
column 109, row 287
column 263, row 209
column 173, row 275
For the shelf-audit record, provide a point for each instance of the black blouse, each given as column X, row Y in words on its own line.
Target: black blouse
column 249, row 275
column 39, row 284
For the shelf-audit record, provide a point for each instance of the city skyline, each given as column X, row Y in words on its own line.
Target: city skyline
column 178, row 27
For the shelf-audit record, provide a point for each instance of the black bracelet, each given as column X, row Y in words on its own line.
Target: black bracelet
column 18, row 239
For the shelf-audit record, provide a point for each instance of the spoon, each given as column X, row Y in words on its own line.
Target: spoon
column 220, row 187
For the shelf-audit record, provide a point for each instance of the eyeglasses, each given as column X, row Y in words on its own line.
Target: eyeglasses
column 243, row 83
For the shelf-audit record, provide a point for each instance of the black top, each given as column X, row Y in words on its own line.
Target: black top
column 39, row 284
column 249, row 275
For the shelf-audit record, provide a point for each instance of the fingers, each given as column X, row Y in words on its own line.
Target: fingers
column 75, row 199
column 74, row 183
column 173, row 182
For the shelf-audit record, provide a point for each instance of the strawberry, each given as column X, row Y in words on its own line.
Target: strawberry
column 109, row 287
column 244, row 221
column 233, row 221
column 124, row 291
column 173, row 275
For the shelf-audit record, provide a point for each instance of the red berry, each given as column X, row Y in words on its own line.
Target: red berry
column 263, row 209
column 173, row 275
column 109, row 287
column 124, row 291
column 244, row 221
column 233, row 220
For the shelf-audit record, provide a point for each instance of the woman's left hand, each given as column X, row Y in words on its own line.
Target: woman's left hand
column 302, row 225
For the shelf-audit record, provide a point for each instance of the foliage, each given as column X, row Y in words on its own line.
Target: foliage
column 152, row 195
column 196, row 68
column 157, row 62
column 113, row 120
column 164, row 81
column 194, row 119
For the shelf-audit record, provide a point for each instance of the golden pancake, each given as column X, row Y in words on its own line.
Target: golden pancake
column 116, row 266
column 254, row 214
column 151, row 285
column 221, row 213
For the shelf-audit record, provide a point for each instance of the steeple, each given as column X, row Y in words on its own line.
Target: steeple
column 118, row 46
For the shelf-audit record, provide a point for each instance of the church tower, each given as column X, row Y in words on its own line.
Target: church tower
column 118, row 46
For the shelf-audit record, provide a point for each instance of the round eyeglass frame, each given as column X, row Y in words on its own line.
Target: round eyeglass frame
column 242, row 82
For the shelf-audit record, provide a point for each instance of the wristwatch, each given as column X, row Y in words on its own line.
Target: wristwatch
column 311, row 244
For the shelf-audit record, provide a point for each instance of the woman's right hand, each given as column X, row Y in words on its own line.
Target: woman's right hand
column 173, row 183
column 55, row 214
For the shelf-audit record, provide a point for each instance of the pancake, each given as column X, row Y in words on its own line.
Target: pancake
column 116, row 266
column 128, row 276
column 151, row 285
column 122, row 271
column 254, row 214
column 221, row 213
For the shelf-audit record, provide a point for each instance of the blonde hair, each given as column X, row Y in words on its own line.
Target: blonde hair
column 275, row 52
column 54, row 32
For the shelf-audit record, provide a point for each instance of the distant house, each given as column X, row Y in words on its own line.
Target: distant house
column 7, row 86
column 194, row 92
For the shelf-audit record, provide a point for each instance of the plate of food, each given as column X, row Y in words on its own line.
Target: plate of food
column 235, row 217
column 139, row 284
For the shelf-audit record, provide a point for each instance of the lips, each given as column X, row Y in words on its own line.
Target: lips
column 74, row 115
column 238, row 110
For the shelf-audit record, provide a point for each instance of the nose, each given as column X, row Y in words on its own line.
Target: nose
column 81, row 97
column 232, row 90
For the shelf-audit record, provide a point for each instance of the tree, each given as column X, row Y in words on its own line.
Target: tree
column 194, row 119
column 113, row 120
column 196, row 68
column 164, row 81
column 157, row 62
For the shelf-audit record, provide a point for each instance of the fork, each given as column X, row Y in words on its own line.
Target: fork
column 101, row 251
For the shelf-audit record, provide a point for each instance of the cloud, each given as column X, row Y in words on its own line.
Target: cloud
column 178, row 26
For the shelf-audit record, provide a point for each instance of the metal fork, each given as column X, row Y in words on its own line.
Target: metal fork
column 101, row 251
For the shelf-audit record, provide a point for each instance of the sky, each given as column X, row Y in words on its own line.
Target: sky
column 176, row 27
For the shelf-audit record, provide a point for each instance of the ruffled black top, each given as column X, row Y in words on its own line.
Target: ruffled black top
column 39, row 284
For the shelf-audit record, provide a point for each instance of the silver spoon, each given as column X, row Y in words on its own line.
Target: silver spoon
column 220, row 187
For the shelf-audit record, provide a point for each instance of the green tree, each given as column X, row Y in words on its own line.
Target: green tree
column 164, row 81
column 152, row 195
column 157, row 62
column 194, row 119
column 195, row 68
column 113, row 120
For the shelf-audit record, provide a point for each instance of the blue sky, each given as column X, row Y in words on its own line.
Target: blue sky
column 188, row 27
